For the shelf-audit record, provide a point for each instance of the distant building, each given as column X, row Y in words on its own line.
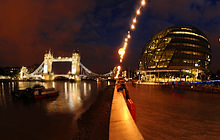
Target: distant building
column 176, row 53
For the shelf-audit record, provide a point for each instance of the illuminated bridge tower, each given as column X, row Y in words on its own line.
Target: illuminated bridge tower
column 48, row 60
column 75, row 66
column 23, row 73
column 45, row 70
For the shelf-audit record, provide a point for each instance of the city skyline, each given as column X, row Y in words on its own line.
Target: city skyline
column 97, row 28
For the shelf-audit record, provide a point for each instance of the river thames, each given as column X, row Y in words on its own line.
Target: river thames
column 162, row 113
column 166, row 113
column 52, row 118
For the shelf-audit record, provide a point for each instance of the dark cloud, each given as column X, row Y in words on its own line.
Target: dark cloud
column 29, row 28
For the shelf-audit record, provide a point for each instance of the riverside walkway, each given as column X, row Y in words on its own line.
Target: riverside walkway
column 108, row 118
column 122, row 125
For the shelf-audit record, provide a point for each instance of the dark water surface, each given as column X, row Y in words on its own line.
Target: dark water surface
column 172, row 114
column 45, row 119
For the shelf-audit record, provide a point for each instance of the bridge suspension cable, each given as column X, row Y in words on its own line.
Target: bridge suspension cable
column 38, row 70
column 92, row 73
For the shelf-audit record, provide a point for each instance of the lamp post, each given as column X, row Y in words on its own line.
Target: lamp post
column 197, row 70
column 121, row 53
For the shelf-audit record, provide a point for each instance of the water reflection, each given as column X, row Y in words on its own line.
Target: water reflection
column 5, row 94
column 71, row 95
column 54, row 118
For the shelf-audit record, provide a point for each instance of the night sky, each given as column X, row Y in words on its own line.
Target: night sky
column 29, row 28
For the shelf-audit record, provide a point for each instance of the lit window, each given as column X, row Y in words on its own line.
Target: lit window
column 186, row 29
column 189, row 33
column 152, row 67
column 189, row 52
column 187, row 44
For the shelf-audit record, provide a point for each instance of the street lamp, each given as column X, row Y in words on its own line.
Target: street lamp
column 118, row 71
column 197, row 70
column 143, row 2
column 121, row 51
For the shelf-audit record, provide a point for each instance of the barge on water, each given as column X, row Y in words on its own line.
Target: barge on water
column 36, row 92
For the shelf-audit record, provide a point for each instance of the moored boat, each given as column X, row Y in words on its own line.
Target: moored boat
column 36, row 92
column 42, row 93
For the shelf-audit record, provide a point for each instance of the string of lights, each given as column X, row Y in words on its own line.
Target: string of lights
column 122, row 50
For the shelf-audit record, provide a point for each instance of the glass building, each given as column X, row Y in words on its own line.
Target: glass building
column 175, row 53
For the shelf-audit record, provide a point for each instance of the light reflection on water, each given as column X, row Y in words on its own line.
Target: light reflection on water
column 49, row 115
column 71, row 95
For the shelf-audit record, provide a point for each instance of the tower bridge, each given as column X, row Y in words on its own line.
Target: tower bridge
column 45, row 70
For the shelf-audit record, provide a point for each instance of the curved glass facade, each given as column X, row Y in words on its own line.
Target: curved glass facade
column 181, row 47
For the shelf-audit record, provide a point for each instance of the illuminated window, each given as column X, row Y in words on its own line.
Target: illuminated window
column 186, row 38
column 186, row 29
column 152, row 67
column 189, row 33
column 187, row 44
column 190, row 52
